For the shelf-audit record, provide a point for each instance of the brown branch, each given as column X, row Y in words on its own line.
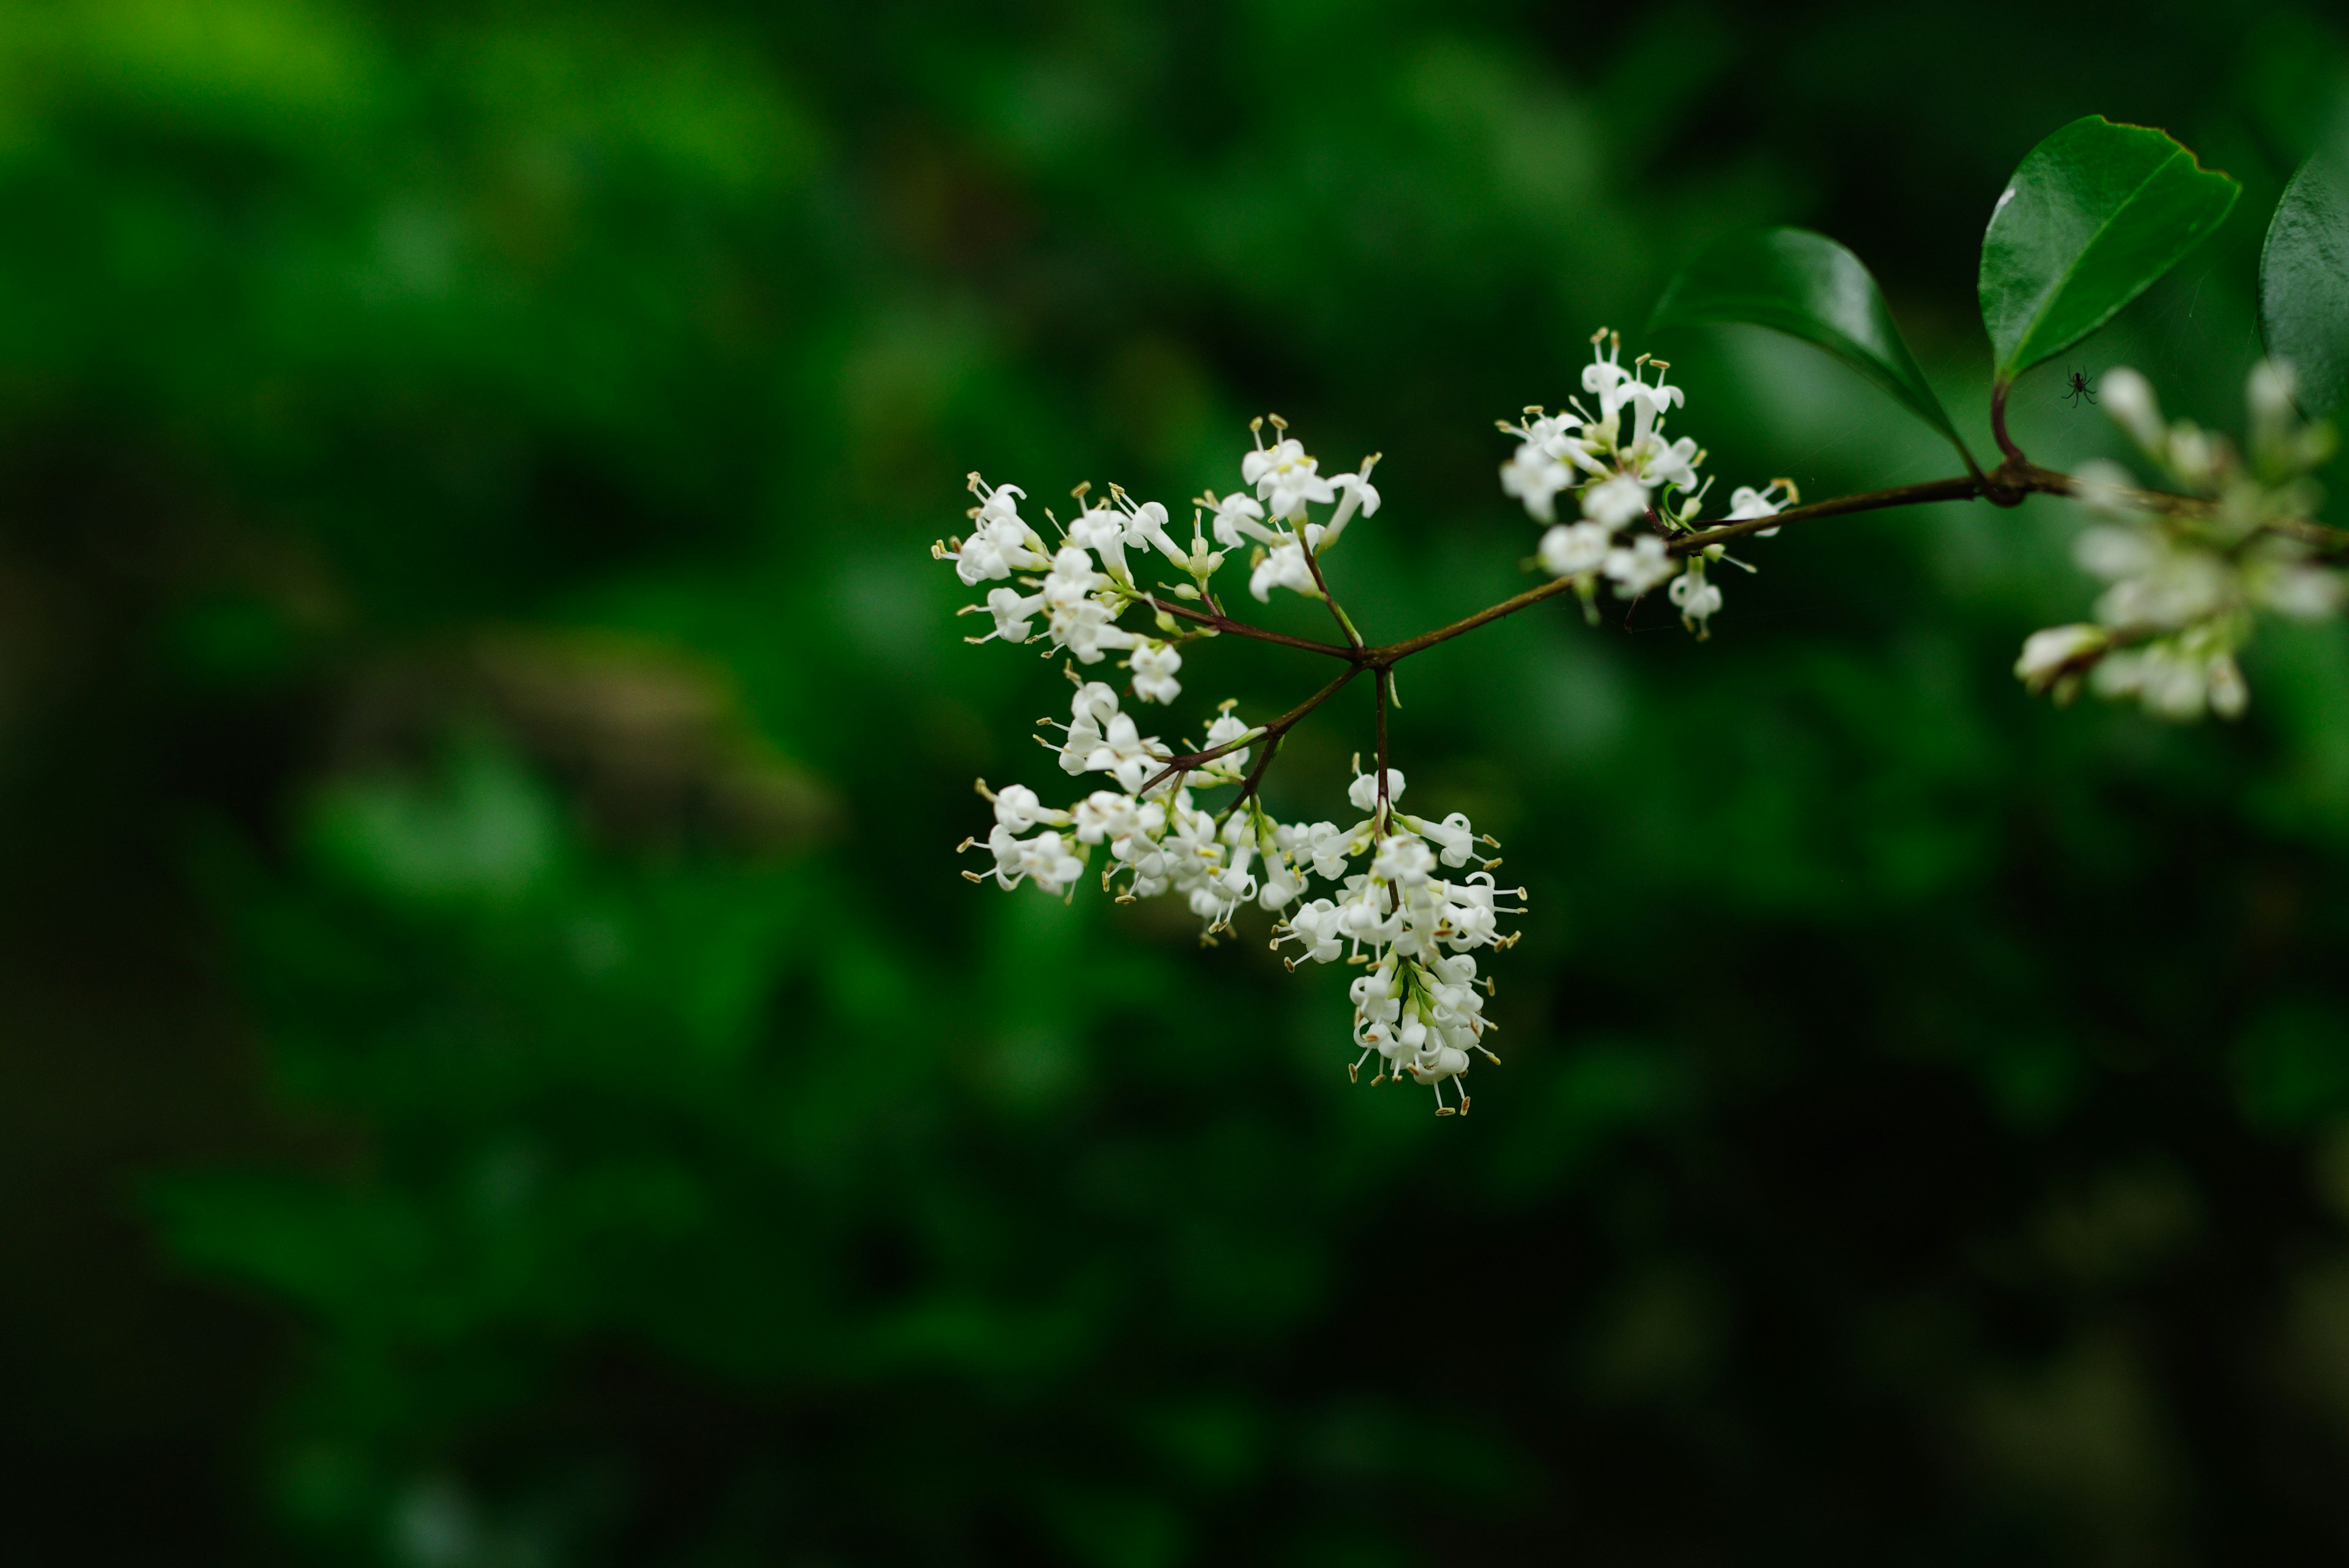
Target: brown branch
column 2011, row 453
column 1961, row 488
column 1255, row 773
column 1272, row 732
column 2009, row 482
column 2005, row 485
column 1219, row 621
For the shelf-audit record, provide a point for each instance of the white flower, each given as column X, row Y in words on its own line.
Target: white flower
column 2229, row 695
column 1437, row 1066
column 1745, row 504
column 1087, row 629
column 1107, row 815
column 1286, row 478
column 2173, row 587
column 1648, row 403
column 1146, row 524
column 1640, row 567
column 2129, row 400
column 2171, row 685
column 1094, row 705
column 1534, row 477
column 1018, row 809
column 2293, row 588
column 1011, row 611
column 1323, row 847
column 1072, row 576
column 1103, row 531
column 1403, row 860
column 1238, row 519
column 1355, row 492
column 1232, row 766
column 1316, row 926
column 2048, row 656
column 1696, row 598
column 1673, row 465
column 1570, row 549
column 1125, row 754
column 2114, row 553
column 1153, row 665
column 1283, row 566
column 1611, row 502
column 1046, row 860
column 1453, row 836
column 1282, row 883
column 1604, row 375
column 1364, row 791
column 999, row 542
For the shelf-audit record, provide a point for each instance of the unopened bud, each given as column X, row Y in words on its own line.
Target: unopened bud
column 2128, row 399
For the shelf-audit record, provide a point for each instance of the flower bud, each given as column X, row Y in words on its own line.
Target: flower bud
column 2128, row 399
column 2059, row 650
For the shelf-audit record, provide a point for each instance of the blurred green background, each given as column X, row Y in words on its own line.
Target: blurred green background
column 498, row 1068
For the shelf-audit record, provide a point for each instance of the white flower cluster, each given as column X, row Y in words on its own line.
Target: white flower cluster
column 1084, row 584
column 1081, row 587
column 1415, row 930
column 1277, row 522
column 2187, row 584
column 1412, row 930
column 1622, row 479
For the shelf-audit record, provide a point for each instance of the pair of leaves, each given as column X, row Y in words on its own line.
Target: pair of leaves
column 2093, row 217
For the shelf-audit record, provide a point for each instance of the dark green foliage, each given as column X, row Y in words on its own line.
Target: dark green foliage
column 1809, row 286
column 484, row 744
column 2304, row 279
column 2093, row 218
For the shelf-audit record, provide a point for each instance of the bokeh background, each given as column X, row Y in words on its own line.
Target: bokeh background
column 497, row 1069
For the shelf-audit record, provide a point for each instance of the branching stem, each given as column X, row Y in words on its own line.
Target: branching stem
column 1270, row 734
column 2005, row 485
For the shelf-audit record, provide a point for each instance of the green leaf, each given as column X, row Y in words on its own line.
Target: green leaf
column 2305, row 280
column 1809, row 286
column 2092, row 217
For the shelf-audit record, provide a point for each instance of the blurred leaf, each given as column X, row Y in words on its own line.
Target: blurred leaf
column 2305, row 280
column 2292, row 1065
column 2093, row 217
column 489, row 835
column 1806, row 286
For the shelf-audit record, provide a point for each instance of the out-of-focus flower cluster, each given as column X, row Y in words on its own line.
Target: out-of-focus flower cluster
column 1397, row 897
column 1624, row 478
column 2188, row 583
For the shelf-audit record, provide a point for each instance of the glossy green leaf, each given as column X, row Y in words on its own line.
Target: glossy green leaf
column 2305, row 280
column 1805, row 285
column 2093, row 217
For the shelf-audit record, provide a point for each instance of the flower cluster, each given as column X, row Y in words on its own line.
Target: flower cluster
column 1623, row 477
column 1414, row 931
column 1085, row 584
column 2189, row 574
column 1387, row 908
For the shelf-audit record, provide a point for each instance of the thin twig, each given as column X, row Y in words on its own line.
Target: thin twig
column 1221, row 622
column 2005, row 485
column 1313, row 564
column 1272, row 732
column 2009, row 482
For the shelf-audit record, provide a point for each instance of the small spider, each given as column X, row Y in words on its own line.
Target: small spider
column 2079, row 389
